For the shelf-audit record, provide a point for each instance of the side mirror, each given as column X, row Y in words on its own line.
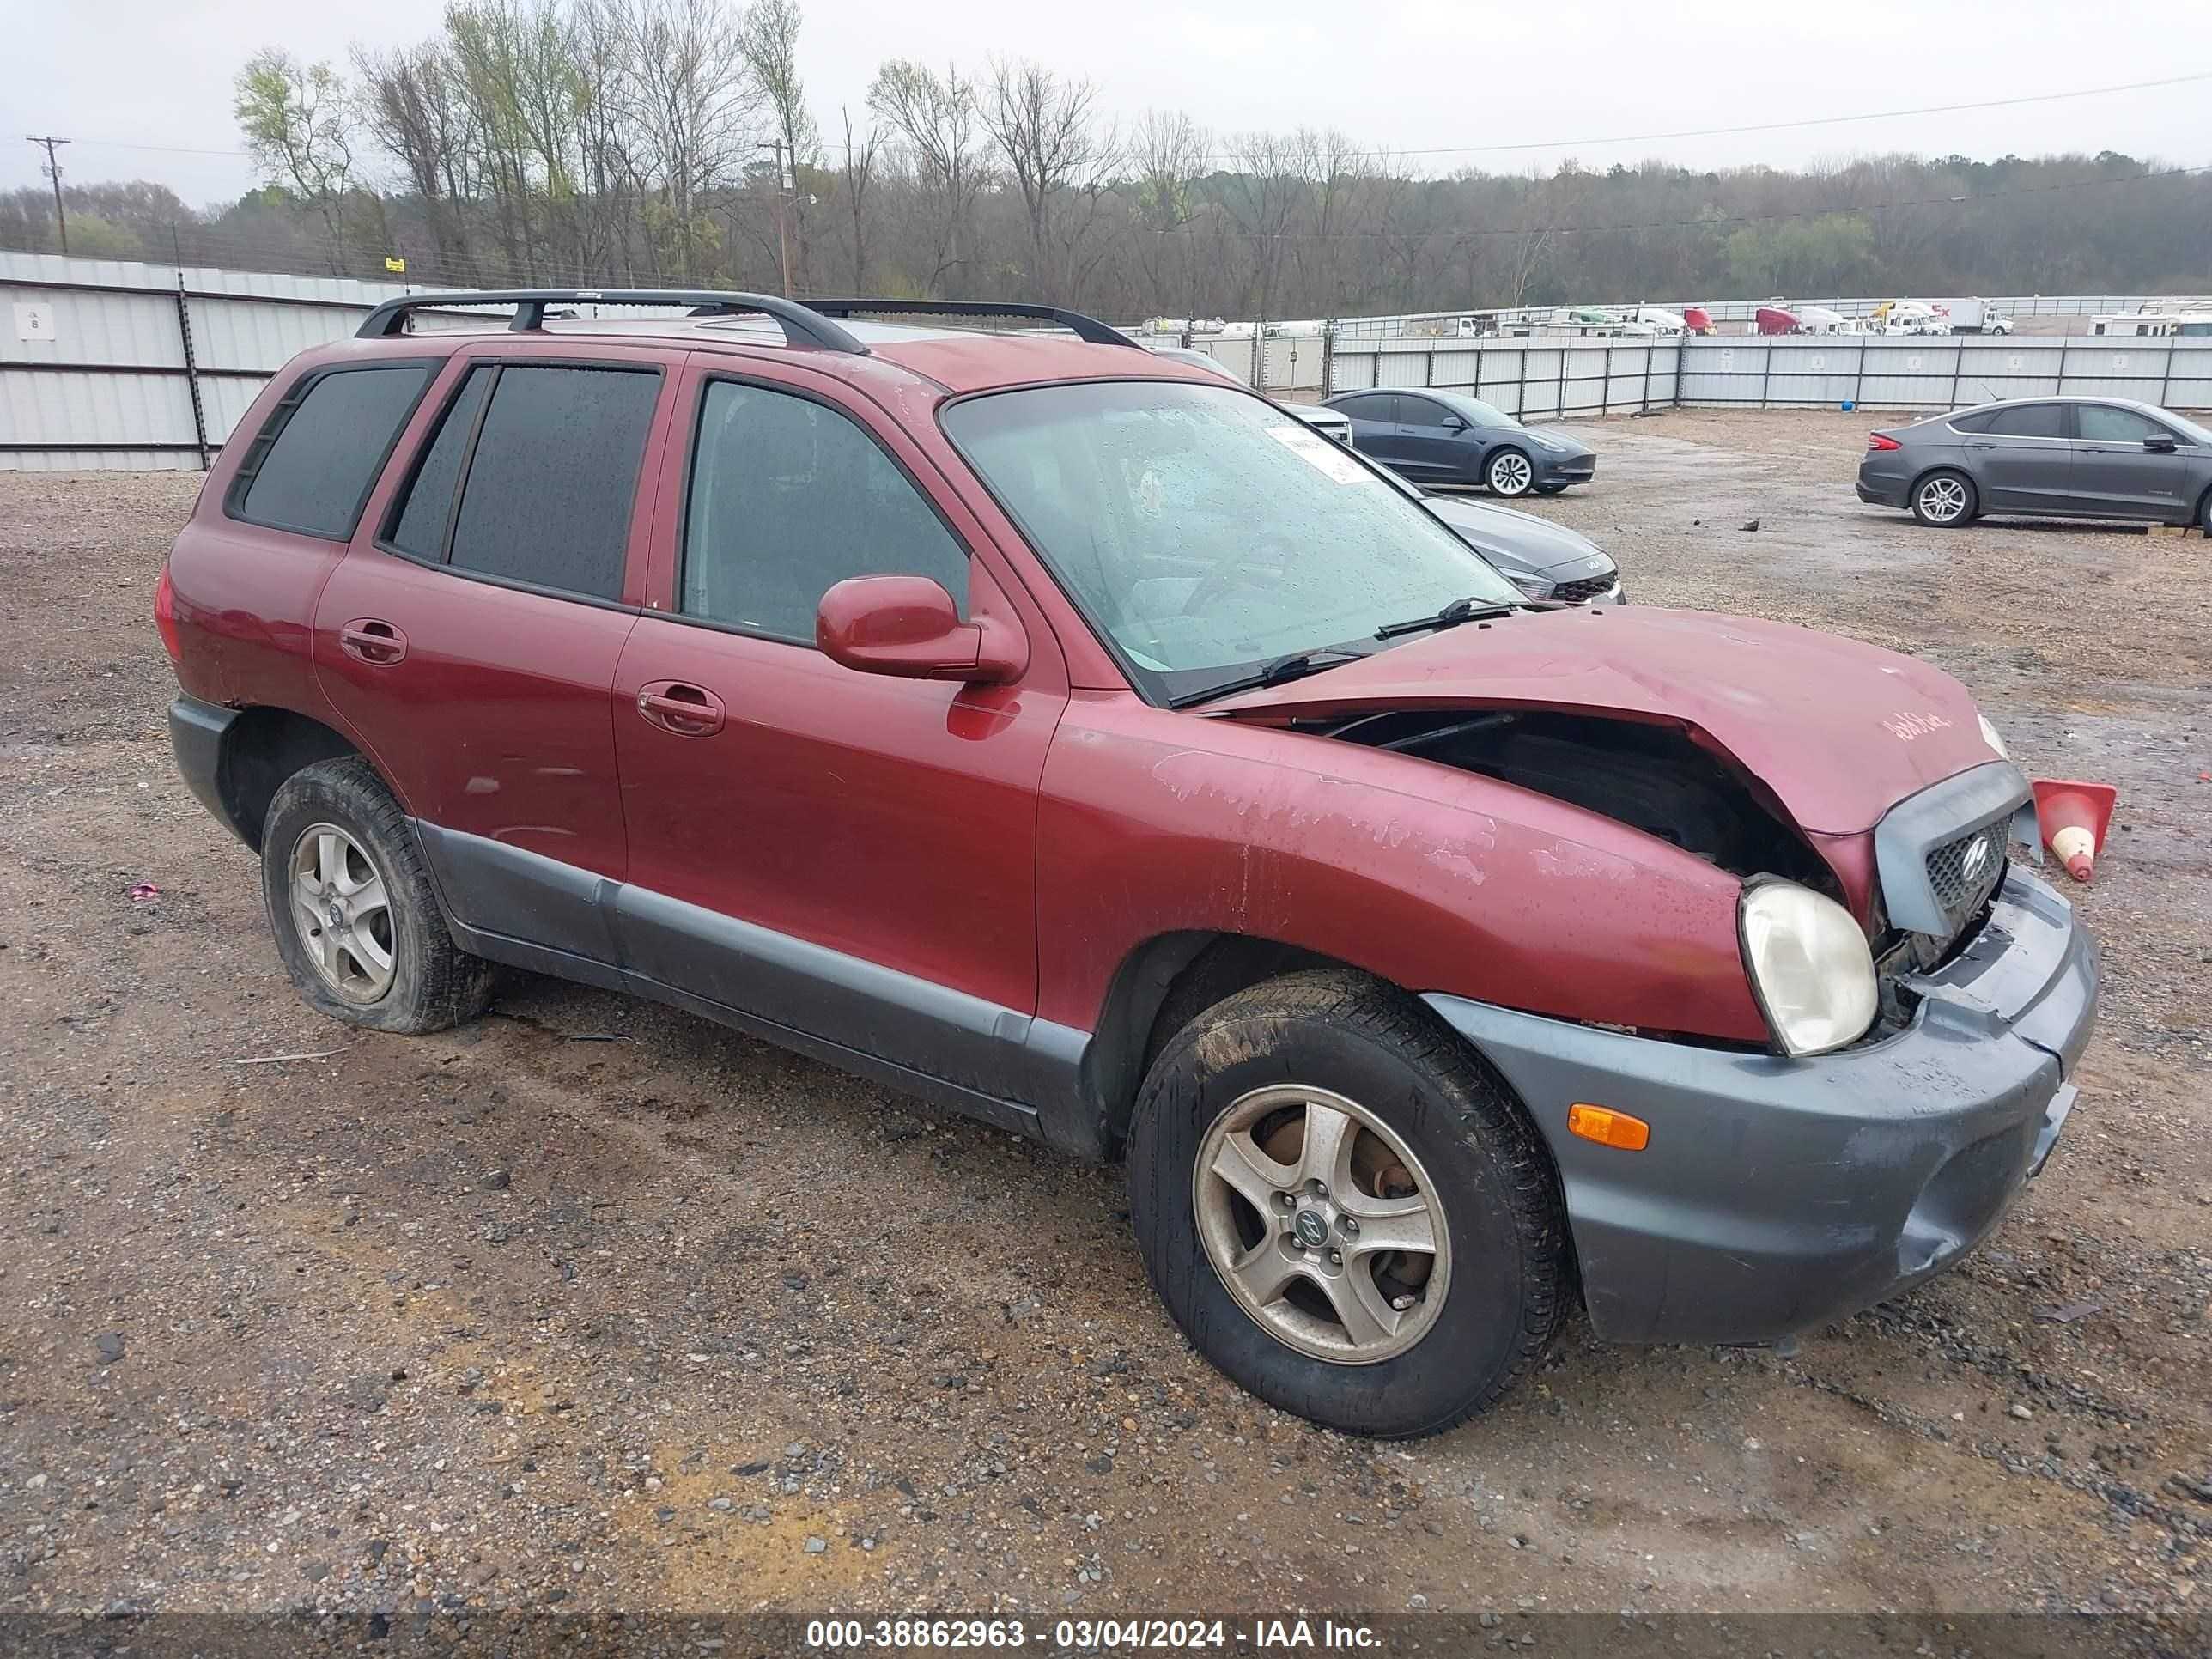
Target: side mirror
column 1453, row 424
column 908, row 626
column 2163, row 444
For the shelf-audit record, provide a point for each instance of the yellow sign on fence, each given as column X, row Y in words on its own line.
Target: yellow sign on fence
column 397, row 267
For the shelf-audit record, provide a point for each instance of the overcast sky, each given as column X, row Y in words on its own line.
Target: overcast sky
column 1404, row 74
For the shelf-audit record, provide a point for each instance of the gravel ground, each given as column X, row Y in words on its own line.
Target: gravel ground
column 595, row 1305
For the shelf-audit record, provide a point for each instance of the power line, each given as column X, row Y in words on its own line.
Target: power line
column 1781, row 126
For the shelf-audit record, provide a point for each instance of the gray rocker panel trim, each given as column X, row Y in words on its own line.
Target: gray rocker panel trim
column 992, row 1062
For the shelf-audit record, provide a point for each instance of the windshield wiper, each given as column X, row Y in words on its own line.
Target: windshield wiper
column 1296, row 666
column 1458, row 611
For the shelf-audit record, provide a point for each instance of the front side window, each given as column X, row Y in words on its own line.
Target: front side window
column 1204, row 533
column 2102, row 423
column 788, row 497
column 311, row 469
column 2029, row 421
column 532, row 475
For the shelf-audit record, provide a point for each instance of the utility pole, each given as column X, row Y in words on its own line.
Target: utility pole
column 787, row 185
column 53, row 170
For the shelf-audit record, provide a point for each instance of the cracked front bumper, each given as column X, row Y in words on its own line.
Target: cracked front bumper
column 1777, row 1195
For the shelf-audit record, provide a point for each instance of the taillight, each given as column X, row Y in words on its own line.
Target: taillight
column 1882, row 440
column 165, row 616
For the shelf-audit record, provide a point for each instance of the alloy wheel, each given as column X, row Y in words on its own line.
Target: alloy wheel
column 1322, row 1224
column 1511, row 473
column 343, row 910
column 1942, row 500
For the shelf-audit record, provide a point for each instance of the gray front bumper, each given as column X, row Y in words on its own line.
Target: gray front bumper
column 1777, row 1195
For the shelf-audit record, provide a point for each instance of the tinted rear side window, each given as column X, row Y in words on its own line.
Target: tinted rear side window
column 311, row 469
column 547, row 495
column 2029, row 421
column 1972, row 423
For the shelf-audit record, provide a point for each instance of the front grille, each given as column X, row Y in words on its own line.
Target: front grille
column 1583, row 591
column 1966, row 871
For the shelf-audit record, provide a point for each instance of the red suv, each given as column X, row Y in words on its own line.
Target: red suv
column 1057, row 731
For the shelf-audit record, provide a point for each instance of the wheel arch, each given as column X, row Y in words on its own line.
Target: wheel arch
column 1912, row 489
column 263, row 746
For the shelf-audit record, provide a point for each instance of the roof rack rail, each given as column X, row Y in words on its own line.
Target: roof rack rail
column 1087, row 328
column 801, row 327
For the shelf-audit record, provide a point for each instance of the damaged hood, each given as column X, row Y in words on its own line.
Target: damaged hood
column 1840, row 731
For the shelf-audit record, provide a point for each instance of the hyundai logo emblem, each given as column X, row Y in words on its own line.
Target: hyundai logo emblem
column 1313, row 1230
column 1976, row 855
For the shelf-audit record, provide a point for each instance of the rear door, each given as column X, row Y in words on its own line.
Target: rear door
column 1375, row 425
column 849, row 855
column 469, row 639
column 2022, row 459
column 2130, row 466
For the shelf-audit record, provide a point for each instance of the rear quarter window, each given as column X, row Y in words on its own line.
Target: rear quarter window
column 311, row 467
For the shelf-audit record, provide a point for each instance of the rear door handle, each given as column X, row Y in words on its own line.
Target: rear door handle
column 686, row 711
column 372, row 641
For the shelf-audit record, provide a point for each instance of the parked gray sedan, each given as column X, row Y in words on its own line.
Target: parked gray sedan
column 2073, row 457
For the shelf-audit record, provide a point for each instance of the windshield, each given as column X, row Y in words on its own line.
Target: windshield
column 1206, row 533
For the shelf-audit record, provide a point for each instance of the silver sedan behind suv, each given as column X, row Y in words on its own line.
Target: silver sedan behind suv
column 2073, row 457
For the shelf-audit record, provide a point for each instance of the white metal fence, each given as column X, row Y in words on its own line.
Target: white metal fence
column 117, row 364
column 112, row 363
column 1540, row 378
column 1532, row 379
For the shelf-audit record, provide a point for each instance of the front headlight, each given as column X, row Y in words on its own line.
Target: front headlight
column 1809, row 967
column 1989, row 737
column 1534, row 587
column 1551, row 444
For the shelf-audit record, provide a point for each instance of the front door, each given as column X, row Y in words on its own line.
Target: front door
column 2023, row 458
column 2131, row 466
column 849, row 855
column 1433, row 441
column 470, row 636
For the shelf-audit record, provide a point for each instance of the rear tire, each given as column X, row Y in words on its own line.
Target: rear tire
column 1945, row 500
column 1403, row 1119
column 1509, row 473
column 350, row 899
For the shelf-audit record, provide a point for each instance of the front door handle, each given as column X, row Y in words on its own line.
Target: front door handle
column 686, row 711
column 372, row 641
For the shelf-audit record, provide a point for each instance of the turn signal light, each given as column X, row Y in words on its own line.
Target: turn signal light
column 1882, row 440
column 1608, row 1128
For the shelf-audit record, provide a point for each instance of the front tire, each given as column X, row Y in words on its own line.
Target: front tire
column 1508, row 472
column 351, row 902
column 1945, row 500
column 1345, row 1209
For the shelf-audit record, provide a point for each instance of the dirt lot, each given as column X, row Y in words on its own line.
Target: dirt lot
column 597, row 1305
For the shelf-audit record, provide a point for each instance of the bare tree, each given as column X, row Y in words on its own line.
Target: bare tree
column 936, row 117
column 1046, row 130
column 695, row 102
column 770, row 37
column 860, row 176
column 410, row 106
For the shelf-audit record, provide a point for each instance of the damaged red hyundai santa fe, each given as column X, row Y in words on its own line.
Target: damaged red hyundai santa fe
column 1032, row 723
